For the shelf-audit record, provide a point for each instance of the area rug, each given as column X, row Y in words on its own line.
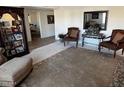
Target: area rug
column 118, row 76
column 74, row 67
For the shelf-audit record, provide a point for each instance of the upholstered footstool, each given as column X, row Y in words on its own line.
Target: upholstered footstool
column 15, row 70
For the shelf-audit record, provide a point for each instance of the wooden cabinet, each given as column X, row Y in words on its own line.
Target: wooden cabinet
column 12, row 32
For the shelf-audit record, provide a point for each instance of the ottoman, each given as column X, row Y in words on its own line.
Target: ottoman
column 15, row 70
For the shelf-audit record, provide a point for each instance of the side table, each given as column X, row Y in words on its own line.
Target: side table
column 99, row 36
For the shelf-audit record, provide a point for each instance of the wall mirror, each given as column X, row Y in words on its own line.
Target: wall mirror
column 98, row 18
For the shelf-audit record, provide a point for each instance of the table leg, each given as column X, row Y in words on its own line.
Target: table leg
column 122, row 51
column 83, row 41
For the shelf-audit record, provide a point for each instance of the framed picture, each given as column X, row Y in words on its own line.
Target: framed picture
column 17, row 43
column 11, row 38
column 19, row 49
column 18, row 36
column 50, row 19
column 13, row 52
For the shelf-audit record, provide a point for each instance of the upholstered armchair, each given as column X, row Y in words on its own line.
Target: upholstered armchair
column 116, row 41
column 72, row 35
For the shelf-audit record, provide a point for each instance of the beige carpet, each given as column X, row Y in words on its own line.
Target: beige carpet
column 73, row 67
column 44, row 52
column 47, row 51
column 118, row 76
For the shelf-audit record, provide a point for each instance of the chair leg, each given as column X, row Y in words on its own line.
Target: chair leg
column 76, row 44
column 82, row 41
column 64, row 42
column 122, row 51
column 114, row 53
column 99, row 48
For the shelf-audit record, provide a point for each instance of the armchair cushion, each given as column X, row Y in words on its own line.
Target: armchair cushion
column 119, row 36
column 109, row 44
column 70, row 39
column 73, row 34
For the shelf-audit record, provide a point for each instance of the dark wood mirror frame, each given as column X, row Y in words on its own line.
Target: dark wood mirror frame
column 96, row 12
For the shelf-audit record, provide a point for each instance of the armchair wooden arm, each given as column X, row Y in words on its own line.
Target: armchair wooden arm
column 66, row 35
column 107, row 37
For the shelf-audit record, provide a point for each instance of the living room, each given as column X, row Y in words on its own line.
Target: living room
column 60, row 63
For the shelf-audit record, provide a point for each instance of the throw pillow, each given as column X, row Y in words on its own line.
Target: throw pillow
column 117, row 37
column 73, row 34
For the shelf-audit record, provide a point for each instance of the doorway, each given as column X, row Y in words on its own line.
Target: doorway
column 42, row 30
column 34, row 25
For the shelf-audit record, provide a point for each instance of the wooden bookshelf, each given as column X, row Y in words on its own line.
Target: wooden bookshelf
column 13, row 38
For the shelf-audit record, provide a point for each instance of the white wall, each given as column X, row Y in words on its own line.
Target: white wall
column 65, row 17
column 34, row 18
column 47, row 29
column 73, row 16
